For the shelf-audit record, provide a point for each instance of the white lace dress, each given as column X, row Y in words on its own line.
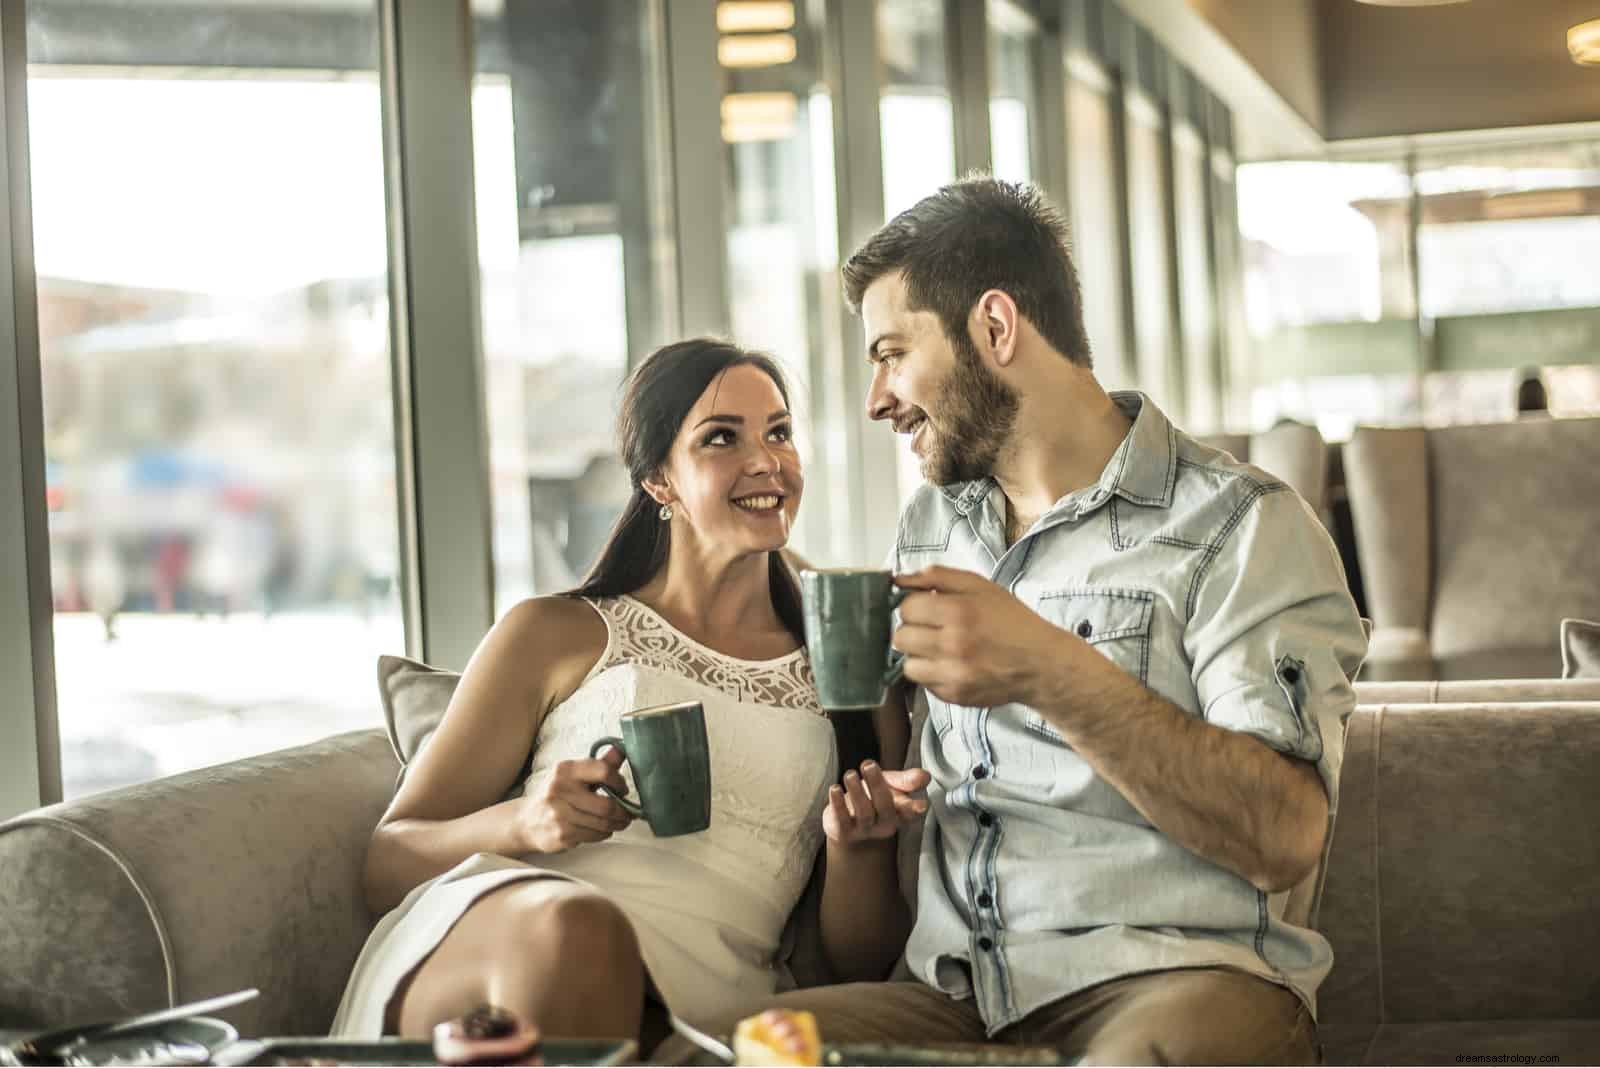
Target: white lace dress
column 708, row 908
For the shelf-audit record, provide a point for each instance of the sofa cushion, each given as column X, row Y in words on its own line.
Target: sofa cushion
column 1580, row 649
column 1462, row 882
column 414, row 698
column 1446, row 1041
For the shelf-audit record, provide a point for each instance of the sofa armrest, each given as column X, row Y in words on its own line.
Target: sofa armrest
column 246, row 874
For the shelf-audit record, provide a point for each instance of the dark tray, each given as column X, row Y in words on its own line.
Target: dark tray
column 400, row 1051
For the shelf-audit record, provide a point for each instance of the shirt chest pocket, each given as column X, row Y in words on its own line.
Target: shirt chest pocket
column 1115, row 620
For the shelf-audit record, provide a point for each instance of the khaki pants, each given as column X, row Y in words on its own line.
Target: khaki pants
column 1193, row 1016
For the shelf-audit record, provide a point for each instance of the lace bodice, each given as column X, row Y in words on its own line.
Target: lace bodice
column 641, row 636
column 773, row 758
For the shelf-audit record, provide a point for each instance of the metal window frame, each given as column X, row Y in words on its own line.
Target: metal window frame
column 441, row 434
column 871, row 489
column 967, row 56
column 694, row 146
column 30, row 749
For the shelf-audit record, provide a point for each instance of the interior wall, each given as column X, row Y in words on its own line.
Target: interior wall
column 1275, row 37
column 1472, row 66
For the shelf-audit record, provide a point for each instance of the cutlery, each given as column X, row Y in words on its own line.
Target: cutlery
column 47, row 1048
column 717, row 1048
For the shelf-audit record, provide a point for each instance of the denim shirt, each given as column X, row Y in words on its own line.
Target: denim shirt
column 1215, row 586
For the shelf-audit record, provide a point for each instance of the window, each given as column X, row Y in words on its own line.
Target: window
column 211, row 254
column 1357, row 336
column 919, row 137
column 576, row 278
column 1013, row 90
column 783, row 257
column 1149, row 244
column 1096, row 222
column 1197, row 291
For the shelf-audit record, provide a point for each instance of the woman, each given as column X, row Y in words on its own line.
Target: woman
column 554, row 904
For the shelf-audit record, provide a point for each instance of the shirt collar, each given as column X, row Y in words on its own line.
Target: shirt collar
column 1141, row 471
column 1144, row 468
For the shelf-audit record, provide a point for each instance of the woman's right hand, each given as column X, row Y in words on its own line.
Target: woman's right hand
column 563, row 809
column 874, row 804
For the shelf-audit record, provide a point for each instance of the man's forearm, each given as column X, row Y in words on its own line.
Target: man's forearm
column 865, row 921
column 1218, row 793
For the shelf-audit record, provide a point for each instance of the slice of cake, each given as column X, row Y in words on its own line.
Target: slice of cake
column 778, row 1036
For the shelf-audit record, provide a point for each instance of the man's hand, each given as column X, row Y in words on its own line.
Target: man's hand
column 873, row 805
column 972, row 643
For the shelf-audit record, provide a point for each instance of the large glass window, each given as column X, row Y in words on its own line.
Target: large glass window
column 208, row 203
column 575, row 257
column 1328, row 293
column 1149, row 242
column 1197, row 290
column 1359, row 335
column 783, row 278
column 919, row 135
column 1096, row 222
column 919, row 138
column 1503, row 227
column 1013, row 90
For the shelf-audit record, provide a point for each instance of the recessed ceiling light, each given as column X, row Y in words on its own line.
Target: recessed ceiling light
column 1583, row 41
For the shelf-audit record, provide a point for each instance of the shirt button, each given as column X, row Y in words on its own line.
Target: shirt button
column 986, row 943
column 980, row 772
column 985, row 820
column 984, row 900
column 1085, row 628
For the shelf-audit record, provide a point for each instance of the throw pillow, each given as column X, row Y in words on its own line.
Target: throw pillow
column 414, row 698
column 1580, row 649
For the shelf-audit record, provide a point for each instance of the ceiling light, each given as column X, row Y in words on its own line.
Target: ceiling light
column 756, row 50
column 1583, row 41
column 758, row 116
column 754, row 16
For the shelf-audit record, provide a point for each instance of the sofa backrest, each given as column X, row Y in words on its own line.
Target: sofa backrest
column 1514, row 533
column 1480, row 537
column 247, row 874
column 1297, row 454
column 1386, row 477
column 1462, row 882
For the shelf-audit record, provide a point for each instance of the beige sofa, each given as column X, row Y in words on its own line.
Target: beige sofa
column 1474, row 543
column 1460, row 890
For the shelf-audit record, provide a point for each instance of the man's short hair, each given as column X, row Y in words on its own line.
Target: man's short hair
column 972, row 236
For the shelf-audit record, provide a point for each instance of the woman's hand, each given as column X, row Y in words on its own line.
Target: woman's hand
column 874, row 804
column 563, row 809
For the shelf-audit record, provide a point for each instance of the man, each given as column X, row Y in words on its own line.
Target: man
column 1135, row 653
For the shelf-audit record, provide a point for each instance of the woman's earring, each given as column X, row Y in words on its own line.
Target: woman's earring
column 666, row 513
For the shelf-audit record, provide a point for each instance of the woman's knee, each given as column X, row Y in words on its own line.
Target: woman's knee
column 576, row 926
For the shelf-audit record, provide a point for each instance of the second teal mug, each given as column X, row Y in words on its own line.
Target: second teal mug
column 666, row 746
column 849, row 615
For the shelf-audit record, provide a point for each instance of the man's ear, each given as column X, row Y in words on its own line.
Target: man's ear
column 997, row 321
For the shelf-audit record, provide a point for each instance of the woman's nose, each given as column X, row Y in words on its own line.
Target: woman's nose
column 762, row 461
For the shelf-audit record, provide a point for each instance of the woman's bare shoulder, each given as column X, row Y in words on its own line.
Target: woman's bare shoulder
column 554, row 631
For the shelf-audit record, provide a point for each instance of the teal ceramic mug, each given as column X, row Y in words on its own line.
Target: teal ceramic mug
column 666, row 746
column 849, row 616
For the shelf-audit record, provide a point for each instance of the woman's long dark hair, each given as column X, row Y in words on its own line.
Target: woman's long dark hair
column 655, row 402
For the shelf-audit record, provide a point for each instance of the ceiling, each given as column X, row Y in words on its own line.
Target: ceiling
column 1480, row 65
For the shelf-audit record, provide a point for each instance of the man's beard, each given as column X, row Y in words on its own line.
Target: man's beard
column 977, row 413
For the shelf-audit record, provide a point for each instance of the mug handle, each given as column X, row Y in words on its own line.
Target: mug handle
column 896, row 668
column 630, row 807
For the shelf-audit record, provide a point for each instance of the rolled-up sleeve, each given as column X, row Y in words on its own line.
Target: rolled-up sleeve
column 1274, row 638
